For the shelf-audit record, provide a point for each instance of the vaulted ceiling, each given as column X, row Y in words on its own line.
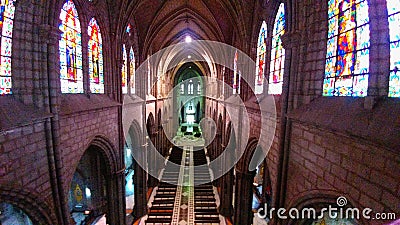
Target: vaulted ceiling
column 160, row 23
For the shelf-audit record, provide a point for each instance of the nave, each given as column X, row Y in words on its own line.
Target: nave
column 185, row 194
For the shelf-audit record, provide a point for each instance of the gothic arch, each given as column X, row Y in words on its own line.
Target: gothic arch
column 102, row 147
column 37, row 210
column 135, row 133
column 151, row 156
column 251, row 147
column 54, row 18
column 159, row 121
column 274, row 6
column 150, row 124
column 129, row 40
column 107, row 151
column 319, row 199
column 227, row 134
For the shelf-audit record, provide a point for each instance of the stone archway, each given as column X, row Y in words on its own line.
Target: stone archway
column 93, row 188
column 227, row 183
column 134, row 139
column 151, row 141
column 29, row 204
column 317, row 201
column 245, row 186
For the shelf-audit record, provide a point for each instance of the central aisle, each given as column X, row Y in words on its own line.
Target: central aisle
column 177, row 200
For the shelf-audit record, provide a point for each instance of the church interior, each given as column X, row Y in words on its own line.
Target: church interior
column 156, row 112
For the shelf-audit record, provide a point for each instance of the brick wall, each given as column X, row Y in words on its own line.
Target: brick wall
column 323, row 160
column 24, row 163
column 78, row 130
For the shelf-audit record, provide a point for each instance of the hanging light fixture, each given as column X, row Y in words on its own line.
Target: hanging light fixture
column 188, row 38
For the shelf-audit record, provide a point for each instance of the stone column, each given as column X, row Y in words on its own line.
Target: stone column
column 116, row 198
column 140, row 185
column 226, row 208
column 290, row 98
column 152, row 181
column 243, row 198
column 50, row 37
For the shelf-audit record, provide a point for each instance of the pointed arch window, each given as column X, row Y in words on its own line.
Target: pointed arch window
column 394, row 31
column 132, row 71
column 182, row 89
column 347, row 57
column 124, row 71
column 277, row 53
column 95, row 51
column 199, row 88
column 70, row 49
column 236, row 75
column 128, row 29
column 190, row 87
column 260, row 62
column 7, row 10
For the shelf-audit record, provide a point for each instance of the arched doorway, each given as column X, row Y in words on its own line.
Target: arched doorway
column 189, row 100
column 129, row 177
column 262, row 192
column 254, row 186
column 228, row 180
column 11, row 214
column 23, row 206
column 318, row 203
column 151, row 141
column 136, row 202
column 90, row 190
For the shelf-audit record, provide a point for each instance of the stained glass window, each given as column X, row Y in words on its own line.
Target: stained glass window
column 394, row 24
column 199, row 88
column 260, row 62
column 236, row 75
column 7, row 10
column 347, row 57
column 128, row 29
column 132, row 70
column 235, row 83
column 182, row 89
column 190, row 87
column 149, row 84
column 70, row 48
column 277, row 53
column 124, row 72
column 95, row 51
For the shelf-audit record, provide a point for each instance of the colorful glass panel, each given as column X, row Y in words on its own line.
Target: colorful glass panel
column 95, row 51
column 236, row 76
column 277, row 53
column 7, row 10
column 347, row 57
column 394, row 31
column 124, row 72
column 260, row 62
column 70, row 49
column 128, row 29
column 132, row 70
